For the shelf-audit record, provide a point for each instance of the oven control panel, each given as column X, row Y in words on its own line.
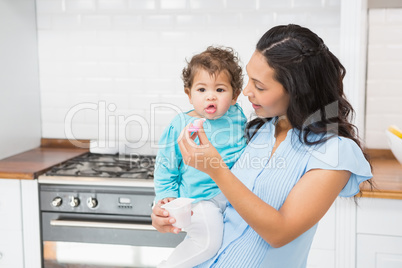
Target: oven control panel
column 98, row 202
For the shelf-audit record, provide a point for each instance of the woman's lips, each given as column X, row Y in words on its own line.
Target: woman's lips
column 255, row 106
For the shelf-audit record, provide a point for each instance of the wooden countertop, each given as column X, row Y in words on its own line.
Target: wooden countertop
column 30, row 164
column 387, row 171
column 387, row 176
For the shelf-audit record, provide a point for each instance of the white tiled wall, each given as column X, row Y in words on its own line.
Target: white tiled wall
column 384, row 76
column 104, row 60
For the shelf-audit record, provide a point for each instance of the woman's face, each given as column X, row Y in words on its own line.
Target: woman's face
column 268, row 96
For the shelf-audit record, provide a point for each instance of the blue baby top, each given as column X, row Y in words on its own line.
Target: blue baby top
column 175, row 179
column 272, row 180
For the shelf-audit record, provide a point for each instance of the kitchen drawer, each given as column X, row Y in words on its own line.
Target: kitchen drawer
column 10, row 205
column 376, row 251
column 11, row 249
column 379, row 216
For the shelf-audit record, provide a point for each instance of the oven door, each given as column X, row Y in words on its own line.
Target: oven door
column 83, row 240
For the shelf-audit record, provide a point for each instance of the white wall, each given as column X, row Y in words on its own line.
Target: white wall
column 384, row 75
column 129, row 54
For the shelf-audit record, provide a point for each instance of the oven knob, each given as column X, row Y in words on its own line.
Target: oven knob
column 74, row 201
column 57, row 201
column 92, row 202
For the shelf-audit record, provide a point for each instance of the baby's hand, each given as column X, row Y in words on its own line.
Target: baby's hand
column 161, row 220
column 195, row 126
column 167, row 199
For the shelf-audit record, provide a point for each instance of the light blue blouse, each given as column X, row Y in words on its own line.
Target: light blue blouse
column 175, row 179
column 272, row 180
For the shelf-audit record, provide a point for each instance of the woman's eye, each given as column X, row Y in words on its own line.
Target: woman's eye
column 220, row 90
column 260, row 89
column 201, row 89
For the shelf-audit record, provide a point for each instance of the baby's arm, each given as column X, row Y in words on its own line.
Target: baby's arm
column 167, row 170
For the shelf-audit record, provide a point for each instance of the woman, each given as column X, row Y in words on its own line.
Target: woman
column 302, row 153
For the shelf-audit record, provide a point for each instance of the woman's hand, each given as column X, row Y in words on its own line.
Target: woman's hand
column 161, row 220
column 204, row 156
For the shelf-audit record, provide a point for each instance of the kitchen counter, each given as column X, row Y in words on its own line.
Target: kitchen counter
column 30, row 164
column 387, row 176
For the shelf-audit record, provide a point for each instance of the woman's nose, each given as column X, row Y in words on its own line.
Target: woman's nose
column 247, row 90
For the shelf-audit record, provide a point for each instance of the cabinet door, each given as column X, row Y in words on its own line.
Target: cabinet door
column 322, row 253
column 31, row 223
column 376, row 251
column 10, row 205
column 11, row 250
column 379, row 216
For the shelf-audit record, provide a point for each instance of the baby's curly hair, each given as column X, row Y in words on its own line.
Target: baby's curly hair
column 215, row 60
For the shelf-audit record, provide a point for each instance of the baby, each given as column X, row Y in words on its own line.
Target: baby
column 212, row 80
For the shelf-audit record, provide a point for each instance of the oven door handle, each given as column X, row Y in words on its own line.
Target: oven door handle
column 109, row 225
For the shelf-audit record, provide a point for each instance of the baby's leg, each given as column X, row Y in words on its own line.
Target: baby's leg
column 203, row 240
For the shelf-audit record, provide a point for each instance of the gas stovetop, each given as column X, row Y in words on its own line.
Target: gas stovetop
column 103, row 169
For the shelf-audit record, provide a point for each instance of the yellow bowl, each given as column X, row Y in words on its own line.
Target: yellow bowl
column 395, row 143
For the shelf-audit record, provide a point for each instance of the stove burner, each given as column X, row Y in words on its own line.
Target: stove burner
column 108, row 166
column 88, row 173
column 137, row 161
column 119, row 170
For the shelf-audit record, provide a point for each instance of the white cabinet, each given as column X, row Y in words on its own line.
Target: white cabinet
column 11, row 249
column 334, row 244
column 363, row 235
column 19, row 224
column 379, row 233
column 377, row 251
column 322, row 253
column 11, row 244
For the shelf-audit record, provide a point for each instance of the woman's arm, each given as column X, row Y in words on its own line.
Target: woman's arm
column 305, row 205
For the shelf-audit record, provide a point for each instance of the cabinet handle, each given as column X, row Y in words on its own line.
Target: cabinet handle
column 109, row 225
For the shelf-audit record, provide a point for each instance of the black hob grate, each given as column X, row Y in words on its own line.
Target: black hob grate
column 107, row 166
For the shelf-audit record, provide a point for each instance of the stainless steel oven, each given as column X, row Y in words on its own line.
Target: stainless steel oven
column 95, row 212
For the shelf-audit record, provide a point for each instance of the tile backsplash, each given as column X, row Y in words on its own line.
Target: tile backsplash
column 111, row 68
column 384, row 75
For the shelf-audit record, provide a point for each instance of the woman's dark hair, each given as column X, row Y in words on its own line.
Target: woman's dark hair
column 312, row 76
column 215, row 60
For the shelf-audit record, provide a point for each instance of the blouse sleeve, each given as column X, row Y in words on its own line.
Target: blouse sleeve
column 341, row 153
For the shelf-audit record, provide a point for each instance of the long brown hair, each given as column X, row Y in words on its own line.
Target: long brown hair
column 313, row 77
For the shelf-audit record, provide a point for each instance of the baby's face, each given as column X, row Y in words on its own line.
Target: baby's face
column 211, row 96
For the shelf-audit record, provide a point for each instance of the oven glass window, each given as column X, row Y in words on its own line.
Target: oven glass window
column 88, row 255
